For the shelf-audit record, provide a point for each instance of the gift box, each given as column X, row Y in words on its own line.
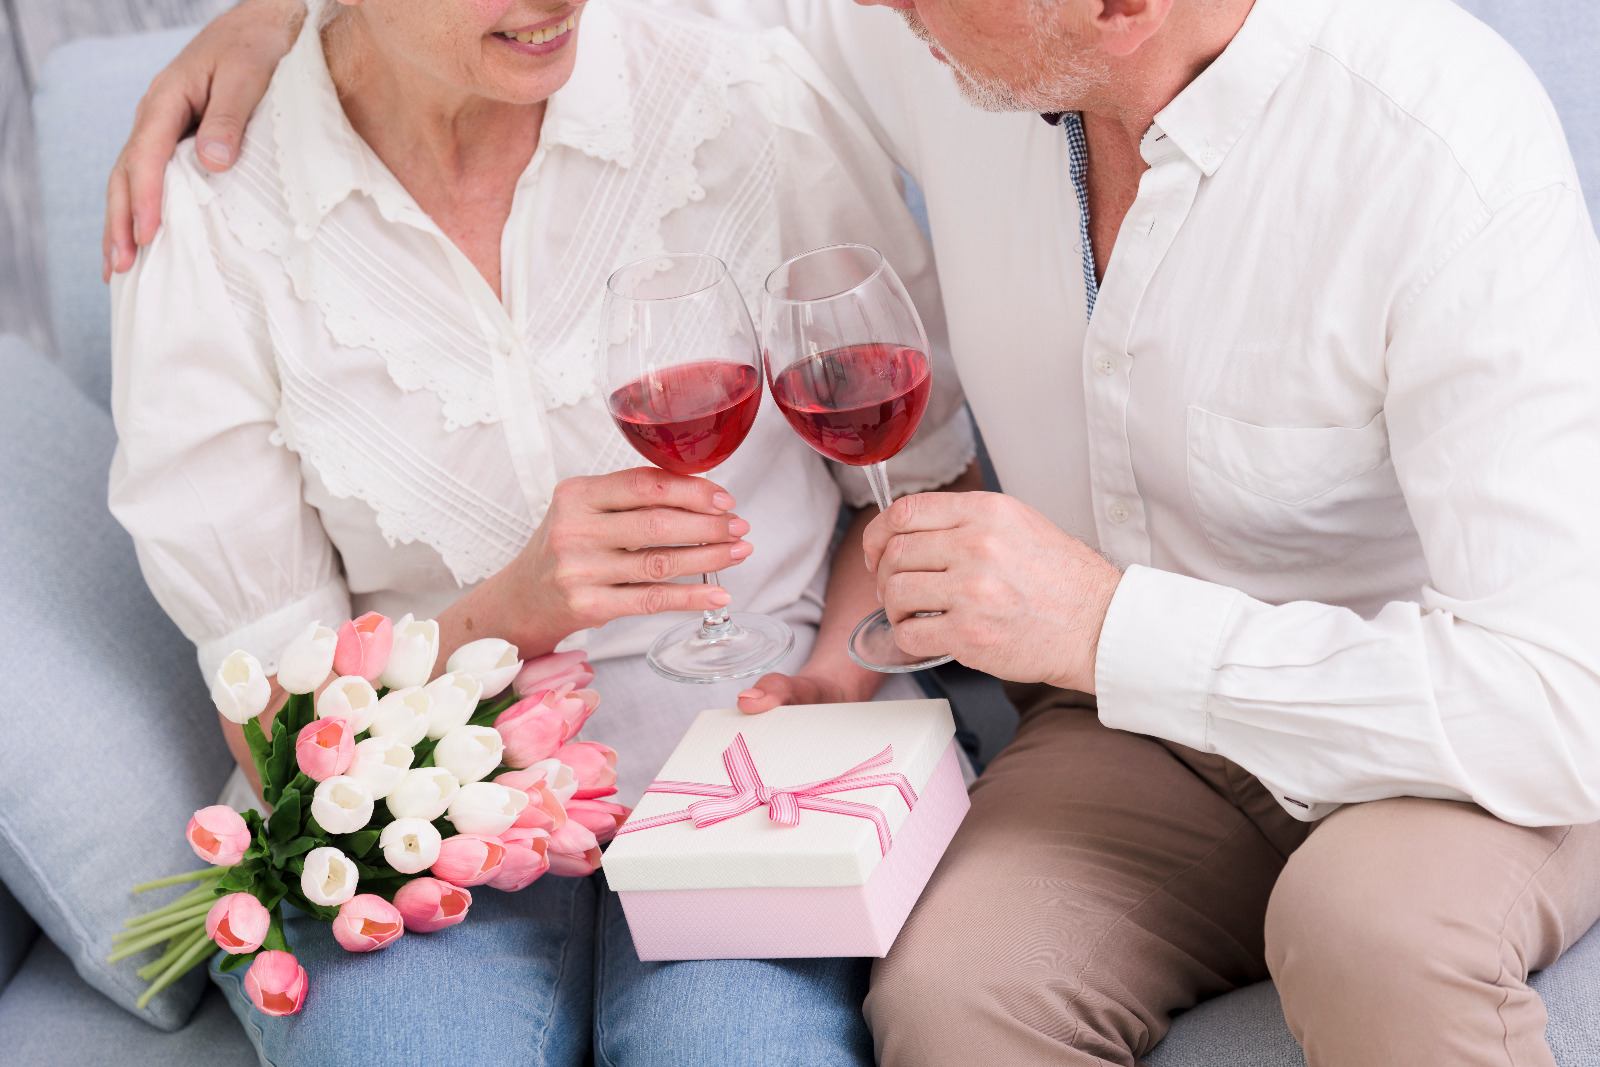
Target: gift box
column 807, row 831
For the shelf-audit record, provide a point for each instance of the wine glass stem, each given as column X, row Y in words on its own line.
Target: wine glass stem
column 878, row 477
column 714, row 622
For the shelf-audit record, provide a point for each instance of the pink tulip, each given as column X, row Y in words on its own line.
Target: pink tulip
column 276, row 983
column 595, row 766
column 238, row 923
column 532, row 731
column 601, row 817
column 427, row 904
column 469, row 859
column 574, row 851
column 218, row 835
column 363, row 647
column 544, row 810
column 325, row 748
column 367, row 922
column 525, row 859
column 552, row 672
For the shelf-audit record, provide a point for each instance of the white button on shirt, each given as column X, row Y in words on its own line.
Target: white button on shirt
column 1357, row 430
column 323, row 408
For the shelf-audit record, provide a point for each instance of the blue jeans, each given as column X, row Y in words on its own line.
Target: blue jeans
column 544, row 976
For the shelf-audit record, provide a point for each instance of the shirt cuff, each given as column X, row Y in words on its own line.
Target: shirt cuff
column 1157, row 651
column 267, row 637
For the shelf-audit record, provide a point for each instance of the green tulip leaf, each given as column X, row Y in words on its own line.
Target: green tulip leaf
column 285, row 822
column 234, row 960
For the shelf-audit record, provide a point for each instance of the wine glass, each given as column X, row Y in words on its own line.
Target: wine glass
column 847, row 360
column 683, row 384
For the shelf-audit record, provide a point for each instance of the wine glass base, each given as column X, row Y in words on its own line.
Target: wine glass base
column 750, row 645
column 872, row 645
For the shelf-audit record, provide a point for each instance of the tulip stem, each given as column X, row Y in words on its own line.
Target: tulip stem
column 179, row 879
column 162, row 922
column 189, row 954
column 174, row 947
column 139, row 944
column 193, row 896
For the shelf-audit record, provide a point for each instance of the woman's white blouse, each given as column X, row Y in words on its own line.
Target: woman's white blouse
column 324, row 409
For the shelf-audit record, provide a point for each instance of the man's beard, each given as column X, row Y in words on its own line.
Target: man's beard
column 1062, row 84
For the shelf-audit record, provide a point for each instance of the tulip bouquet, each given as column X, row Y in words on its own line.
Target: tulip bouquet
column 391, row 796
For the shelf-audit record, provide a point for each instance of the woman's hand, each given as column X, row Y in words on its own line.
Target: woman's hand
column 601, row 554
column 219, row 78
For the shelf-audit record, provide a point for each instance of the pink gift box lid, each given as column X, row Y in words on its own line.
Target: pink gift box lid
column 790, row 746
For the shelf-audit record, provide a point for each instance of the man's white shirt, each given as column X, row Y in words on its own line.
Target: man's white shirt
column 1338, row 406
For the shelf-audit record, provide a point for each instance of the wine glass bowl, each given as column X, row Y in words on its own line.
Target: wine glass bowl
column 847, row 362
column 683, row 384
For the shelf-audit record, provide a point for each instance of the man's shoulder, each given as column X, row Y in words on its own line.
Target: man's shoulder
column 1442, row 74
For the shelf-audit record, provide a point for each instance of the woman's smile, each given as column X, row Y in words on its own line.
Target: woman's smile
column 539, row 40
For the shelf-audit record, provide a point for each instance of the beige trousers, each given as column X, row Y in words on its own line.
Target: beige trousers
column 1104, row 880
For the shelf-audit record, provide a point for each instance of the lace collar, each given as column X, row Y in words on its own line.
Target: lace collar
column 322, row 160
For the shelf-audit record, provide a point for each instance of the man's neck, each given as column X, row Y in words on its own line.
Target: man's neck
column 1117, row 113
column 1139, row 85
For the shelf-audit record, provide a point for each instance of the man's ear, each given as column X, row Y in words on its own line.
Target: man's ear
column 1124, row 25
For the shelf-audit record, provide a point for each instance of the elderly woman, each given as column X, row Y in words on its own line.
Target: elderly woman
column 358, row 372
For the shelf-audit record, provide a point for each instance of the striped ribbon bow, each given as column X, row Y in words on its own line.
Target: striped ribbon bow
column 748, row 792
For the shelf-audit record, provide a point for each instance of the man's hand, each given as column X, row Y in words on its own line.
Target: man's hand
column 1020, row 598
column 218, row 79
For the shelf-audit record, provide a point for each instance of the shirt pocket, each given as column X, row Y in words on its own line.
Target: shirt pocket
column 1271, row 498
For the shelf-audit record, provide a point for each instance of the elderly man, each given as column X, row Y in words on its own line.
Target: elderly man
column 1285, row 337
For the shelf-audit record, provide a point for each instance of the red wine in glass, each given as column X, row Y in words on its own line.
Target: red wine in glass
column 858, row 404
column 847, row 359
column 689, row 417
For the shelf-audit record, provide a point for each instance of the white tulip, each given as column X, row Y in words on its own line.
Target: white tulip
column 469, row 752
column 308, row 660
column 455, row 697
column 486, row 808
column 558, row 778
column 410, row 845
column 403, row 715
column 424, row 793
column 341, row 804
column 416, row 647
column 352, row 699
column 329, row 877
column 240, row 689
column 379, row 764
column 491, row 661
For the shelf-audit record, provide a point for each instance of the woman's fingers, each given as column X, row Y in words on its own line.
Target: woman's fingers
column 662, row 564
column 648, row 487
column 775, row 690
column 656, row 597
column 665, row 526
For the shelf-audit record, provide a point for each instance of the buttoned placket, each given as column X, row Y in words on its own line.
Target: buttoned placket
column 521, row 407
column 1166, row 194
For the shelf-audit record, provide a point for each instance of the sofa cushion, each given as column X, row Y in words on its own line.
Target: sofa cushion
column 50, row 1018
column 82, row 112
column 111, row 740
column 17, row 934
column 1245, row 1028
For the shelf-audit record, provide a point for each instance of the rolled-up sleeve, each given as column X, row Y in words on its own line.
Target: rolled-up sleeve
column 212, row 499
column 1487, row 688
column 836, row 184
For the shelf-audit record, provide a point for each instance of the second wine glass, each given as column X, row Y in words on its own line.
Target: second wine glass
column 847, row 360
column 683, row 384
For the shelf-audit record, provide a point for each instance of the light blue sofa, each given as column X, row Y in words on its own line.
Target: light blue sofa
column 55, row 444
